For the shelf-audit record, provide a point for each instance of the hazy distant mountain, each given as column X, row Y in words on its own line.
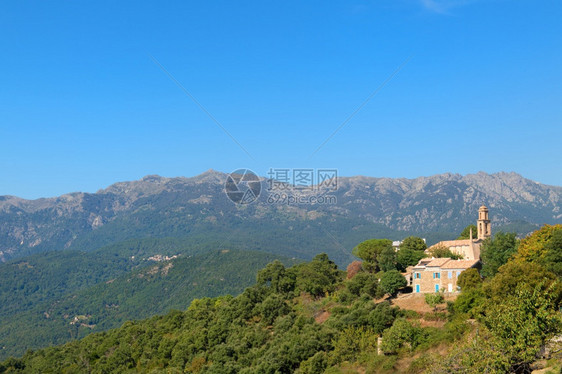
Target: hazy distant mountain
column 198, row 208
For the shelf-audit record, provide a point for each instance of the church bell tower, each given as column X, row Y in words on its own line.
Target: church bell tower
column 483, row 223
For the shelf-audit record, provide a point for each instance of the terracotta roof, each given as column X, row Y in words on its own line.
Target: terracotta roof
column 459, row 264
column 423, row 262
column 451, row 243
column 439, row 261
column 446, row 263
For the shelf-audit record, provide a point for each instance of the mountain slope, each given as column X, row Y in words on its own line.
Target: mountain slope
column 153, row 289
column 45, row 277
column 197, row 208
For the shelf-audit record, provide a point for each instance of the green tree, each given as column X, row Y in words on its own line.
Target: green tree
column 369, row 251
column 442, row 252
column 532, row 247
column 514, row 273
column 318, row 276
column 552, row 258
column 399, row 334
column 414, row 243
column 469, row 302
column 387, row 259
column 465, row 234
column 274, row 275
column 272, row 307
column 392, row 281
column 408, row 257
column 382, row 316
column 496, row 251
column 363, row 283
column 411, row 252
column 469, row 279
column 522, row 323
column 351, row 342
column 316, row 364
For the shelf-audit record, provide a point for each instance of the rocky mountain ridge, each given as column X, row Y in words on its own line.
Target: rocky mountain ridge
column 441, row 203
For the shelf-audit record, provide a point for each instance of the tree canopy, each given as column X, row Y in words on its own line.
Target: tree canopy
column 465, row 234
column 414, row 243
column 442, row 251
column 392, row 281
column 496, row 251
column 370, row 252
column 469, row 279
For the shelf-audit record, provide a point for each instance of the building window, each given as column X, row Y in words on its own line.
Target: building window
column 458, row 273
column 436, row 288
column 450, row 274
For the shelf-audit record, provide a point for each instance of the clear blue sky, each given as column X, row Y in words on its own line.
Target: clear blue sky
column 83, row 105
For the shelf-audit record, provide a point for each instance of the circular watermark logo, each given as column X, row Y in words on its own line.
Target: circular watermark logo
column 243, row 186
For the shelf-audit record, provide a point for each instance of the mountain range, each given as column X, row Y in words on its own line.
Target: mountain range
column 198, row 209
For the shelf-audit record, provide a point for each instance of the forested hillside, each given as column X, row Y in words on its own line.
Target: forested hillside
column 310, row 318
column 45, row 276
column 44, row 306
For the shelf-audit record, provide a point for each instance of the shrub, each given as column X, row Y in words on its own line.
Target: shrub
column 434, row 299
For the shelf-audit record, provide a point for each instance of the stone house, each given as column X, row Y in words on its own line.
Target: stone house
column 439, row 274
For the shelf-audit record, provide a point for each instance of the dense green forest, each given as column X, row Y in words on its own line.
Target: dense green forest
column 46, row 276
column 29, row 286
column 314, row 318
column 156, row 287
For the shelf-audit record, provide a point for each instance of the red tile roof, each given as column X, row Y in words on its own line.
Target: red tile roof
column 445, row 263
column 451, row 243
column 459, row 264
column 438, row 261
